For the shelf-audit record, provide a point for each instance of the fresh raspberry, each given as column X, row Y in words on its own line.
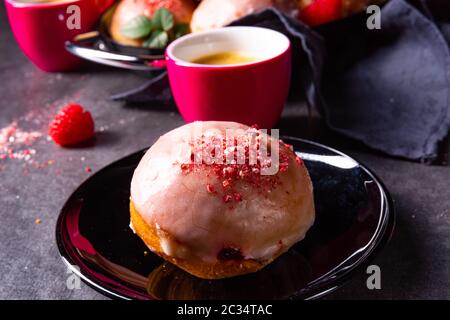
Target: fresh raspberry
column 71, row 125
column 321, row 11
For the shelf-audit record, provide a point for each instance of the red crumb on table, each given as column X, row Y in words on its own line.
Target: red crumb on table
column 88, row 169
column 15, row 143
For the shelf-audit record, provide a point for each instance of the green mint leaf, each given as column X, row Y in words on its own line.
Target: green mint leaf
column 158, row 40
column 181, row 30
column 136, row 28
column 163, row 20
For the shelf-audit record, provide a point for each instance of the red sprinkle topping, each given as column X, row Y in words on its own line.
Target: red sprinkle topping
column 210, row 188
column 226, row 183
column 299, row 161
column 15, row 142
column 227, row 198
column 235, row 161
column 237, row 197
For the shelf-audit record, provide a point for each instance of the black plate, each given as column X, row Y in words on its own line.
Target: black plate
column 354, row 219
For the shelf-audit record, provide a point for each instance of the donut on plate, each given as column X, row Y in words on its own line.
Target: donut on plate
column 220, row 199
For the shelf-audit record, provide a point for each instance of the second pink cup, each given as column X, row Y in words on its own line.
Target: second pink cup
column 250, row 93
column 41, row 29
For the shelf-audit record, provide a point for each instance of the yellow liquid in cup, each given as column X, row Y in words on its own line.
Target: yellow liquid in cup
column 225, row 58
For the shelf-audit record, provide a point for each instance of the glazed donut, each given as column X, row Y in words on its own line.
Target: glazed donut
column 212, row 14
column 201, row 206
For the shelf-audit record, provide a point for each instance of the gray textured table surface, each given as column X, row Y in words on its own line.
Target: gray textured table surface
column 414, row 265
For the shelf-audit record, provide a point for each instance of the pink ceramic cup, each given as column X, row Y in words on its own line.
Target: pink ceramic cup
column 250, row 93
column 41, row 29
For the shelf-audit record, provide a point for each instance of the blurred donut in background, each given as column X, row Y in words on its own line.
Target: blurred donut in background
column 130, row 9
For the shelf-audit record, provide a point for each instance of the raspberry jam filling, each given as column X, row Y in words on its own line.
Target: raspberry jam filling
column 230, row 254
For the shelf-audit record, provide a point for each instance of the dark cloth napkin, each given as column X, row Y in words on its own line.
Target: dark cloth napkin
column 388, row 88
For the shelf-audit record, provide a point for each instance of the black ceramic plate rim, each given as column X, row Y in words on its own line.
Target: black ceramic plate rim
column 320, row 287
column 376, row 244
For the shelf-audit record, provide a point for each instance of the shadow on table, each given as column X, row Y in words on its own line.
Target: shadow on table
column 315, row 129
column 106, row 138
column 402, row 263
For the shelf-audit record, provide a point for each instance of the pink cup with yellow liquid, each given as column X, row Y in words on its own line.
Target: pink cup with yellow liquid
column 249, row 93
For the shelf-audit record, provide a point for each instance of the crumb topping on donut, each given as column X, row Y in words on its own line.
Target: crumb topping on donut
column 239, row 159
